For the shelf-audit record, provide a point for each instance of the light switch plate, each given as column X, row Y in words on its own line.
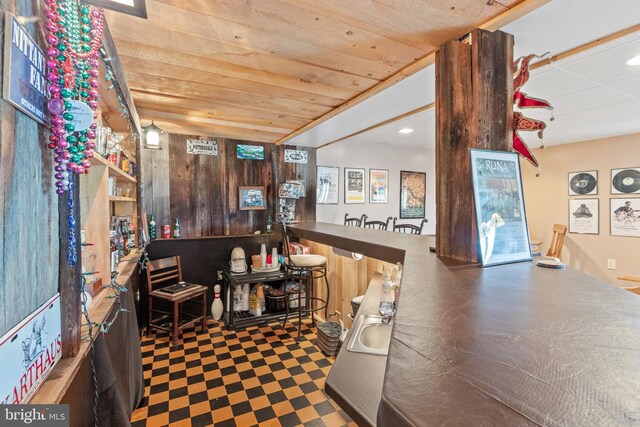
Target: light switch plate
column 611, row 264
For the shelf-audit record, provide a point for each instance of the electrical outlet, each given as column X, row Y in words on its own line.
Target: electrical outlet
column 611, row 264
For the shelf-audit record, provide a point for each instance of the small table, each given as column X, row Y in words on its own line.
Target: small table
column 241, row 319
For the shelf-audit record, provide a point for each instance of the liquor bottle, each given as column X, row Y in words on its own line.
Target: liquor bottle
column 132, row 236
column 269, row 225
column 152, row 228
column 176, row 229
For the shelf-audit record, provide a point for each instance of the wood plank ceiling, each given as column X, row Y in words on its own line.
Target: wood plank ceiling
column 261, row 69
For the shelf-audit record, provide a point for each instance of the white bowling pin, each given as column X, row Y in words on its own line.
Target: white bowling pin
column 216, row 307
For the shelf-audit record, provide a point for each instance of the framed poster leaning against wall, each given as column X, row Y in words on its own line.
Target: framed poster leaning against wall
column 500, row 214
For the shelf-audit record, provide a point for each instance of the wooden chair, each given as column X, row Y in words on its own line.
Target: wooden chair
column 354, row 222
column 378, row 225
column 634, row 288
column 557, row 241
column 164, row 272
column 409, row 228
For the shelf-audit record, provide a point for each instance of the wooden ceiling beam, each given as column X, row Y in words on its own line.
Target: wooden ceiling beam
column 275, row 19
column 197, row 129
column 243, row 56
column 161, row 84
column 217, row 30
column 155, row 114
column 140, row 53
column 499, row 21
column 202, row 109
column 416, row 24
column 221, row 83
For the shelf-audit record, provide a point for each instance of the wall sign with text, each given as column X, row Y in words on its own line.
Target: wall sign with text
column 201, row 146
column 29, row 351
column 295, row 156
column 25, row 83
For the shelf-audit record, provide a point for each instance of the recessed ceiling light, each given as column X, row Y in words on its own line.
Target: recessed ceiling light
column 405, row 131
column 634, row 61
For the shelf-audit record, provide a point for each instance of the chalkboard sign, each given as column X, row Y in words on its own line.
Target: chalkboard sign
column 25, row 84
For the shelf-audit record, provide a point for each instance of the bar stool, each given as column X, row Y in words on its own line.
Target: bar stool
column 304, row 269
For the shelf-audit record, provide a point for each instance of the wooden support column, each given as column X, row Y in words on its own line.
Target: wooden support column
column 70, row 277
column 474, row 88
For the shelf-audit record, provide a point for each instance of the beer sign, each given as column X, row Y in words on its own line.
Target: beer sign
column 25, row 83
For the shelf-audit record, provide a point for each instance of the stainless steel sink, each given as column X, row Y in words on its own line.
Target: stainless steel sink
column 370, row 335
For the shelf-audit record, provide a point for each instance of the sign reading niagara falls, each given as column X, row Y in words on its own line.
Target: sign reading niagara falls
column 29, row 351
column 25, row 65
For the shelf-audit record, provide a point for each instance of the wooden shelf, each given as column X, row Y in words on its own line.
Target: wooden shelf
column 121, row 199
column 114, row 171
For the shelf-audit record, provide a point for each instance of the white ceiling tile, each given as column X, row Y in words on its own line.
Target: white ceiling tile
column 608, row 66
column 629, row 86
column 587, row 99
column 602, row 114
column 553, row 82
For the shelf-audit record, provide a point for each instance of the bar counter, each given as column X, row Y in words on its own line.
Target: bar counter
column 514, row 344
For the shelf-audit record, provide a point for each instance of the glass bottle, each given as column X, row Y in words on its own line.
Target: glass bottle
column 387, row 295
column 176, row 230
column 269, row 225
column 152, row 228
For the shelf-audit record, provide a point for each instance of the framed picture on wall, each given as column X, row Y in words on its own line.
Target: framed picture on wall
column 583, row 183
column 252, row 198
column 378, row 186
column 625, row 217
column 354, row 186
column 503, row 236
column 413, row 194
column 584, row 216
column 327, row 180
column 625, row 181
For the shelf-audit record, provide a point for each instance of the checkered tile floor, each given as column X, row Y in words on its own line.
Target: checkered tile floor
column 258, row 376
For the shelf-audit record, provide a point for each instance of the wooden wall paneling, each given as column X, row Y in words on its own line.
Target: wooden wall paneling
column 203, row 190
column 182, row 189
column 29, row 250
column 492, row 82
column 307, row 173
column 94, row 217
column 155, row 179
column 233, row 179
column 456, row 236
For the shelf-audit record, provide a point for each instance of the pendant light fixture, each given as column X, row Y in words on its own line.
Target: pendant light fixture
column 152, row 136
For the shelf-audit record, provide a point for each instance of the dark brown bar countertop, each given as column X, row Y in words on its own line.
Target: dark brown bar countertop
column 514, row 344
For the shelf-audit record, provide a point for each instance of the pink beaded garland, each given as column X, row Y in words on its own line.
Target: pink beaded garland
column 62, row 56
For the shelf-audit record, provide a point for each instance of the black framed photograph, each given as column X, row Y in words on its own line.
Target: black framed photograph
column 327, row 180
column 503, row 235
column 354, row 186
column 378, row 186
column 252, row 198
column 583, row 183
column 625, row 217
column 625, row 181
column 413, row 194
column 584, row 216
